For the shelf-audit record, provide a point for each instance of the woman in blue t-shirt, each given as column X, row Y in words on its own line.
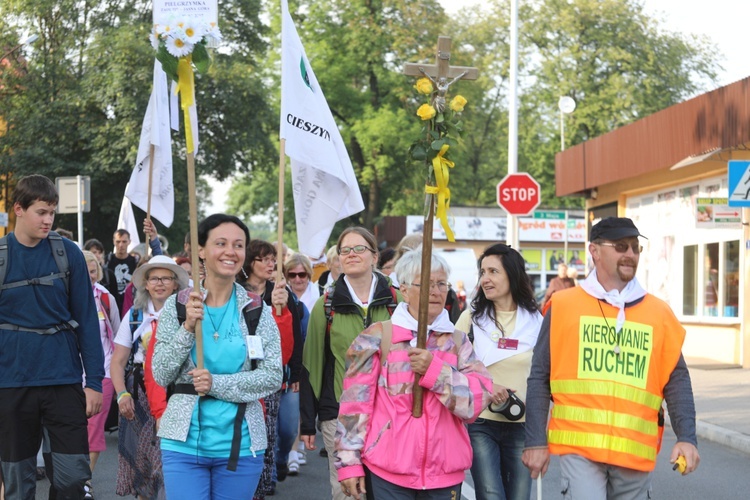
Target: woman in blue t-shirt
column 213, row 444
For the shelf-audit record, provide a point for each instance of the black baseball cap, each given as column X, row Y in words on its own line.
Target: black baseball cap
column 614, row 228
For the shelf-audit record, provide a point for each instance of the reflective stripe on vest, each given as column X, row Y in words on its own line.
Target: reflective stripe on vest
column 605, row 417
column 603, row 442
column 606, row 388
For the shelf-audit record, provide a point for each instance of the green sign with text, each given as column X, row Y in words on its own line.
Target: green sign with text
column 549, row 214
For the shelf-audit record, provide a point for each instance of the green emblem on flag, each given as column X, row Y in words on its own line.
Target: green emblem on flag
column 303, row 72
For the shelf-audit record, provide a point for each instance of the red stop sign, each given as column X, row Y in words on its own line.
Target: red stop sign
column 518, row 194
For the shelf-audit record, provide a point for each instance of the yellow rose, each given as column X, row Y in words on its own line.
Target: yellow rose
column 426, row 112
column 423, row 86
column 457, row 103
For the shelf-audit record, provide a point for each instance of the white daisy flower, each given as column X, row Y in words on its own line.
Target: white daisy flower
column 193, row 33
column 178, row 46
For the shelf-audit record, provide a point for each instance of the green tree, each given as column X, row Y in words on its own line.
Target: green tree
column 79, row 101
column 357, row 49
column 615, row 61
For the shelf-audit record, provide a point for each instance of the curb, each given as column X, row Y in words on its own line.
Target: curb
column 725, row 437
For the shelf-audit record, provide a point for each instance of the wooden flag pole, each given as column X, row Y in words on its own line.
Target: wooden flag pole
column 280, row 228
column 151, row 152
column 193, row 209
column 424, row 298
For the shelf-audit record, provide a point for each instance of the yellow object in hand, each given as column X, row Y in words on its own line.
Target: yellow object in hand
column 680, row 465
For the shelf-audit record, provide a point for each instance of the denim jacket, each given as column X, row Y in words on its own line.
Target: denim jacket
column 172, row 362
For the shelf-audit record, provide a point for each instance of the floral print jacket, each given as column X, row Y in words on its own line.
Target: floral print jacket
column 376, row 427
column 172, row 362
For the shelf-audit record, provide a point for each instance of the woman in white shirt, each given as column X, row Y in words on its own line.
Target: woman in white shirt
column 139, row 469
column 503, row 323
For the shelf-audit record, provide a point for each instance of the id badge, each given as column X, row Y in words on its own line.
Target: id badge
column 506, row 343
column 254, row 347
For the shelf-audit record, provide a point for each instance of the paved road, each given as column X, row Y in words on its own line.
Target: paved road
column 724, row 473
column 311, row 483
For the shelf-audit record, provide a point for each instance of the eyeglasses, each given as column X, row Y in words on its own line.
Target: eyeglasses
column 622, row 247
column 301, row 275
column 358, row 249
column 167, row 280
column 266, row 260
column 442, row 286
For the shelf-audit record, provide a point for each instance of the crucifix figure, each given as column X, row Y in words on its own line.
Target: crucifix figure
column 442, row 75
column 442, row 88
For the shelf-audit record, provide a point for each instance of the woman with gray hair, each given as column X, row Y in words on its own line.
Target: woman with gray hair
column 298, row 272
column 139, row 470
column 375, row 422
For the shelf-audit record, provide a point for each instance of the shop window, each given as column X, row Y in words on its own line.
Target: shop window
column 717, row 279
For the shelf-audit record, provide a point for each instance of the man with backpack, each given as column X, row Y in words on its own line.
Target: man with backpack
column 49, row 334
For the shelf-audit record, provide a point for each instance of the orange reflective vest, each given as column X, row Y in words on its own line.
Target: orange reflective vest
column 606, row 405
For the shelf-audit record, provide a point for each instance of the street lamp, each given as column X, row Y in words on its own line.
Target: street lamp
column 26, row 41
column 566, row 105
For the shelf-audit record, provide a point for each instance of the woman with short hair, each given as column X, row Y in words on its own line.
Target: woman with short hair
column 298, row 272
column 282, row 407
column 377, row 437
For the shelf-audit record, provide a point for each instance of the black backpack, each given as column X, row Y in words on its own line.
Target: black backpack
column 58, row 252
column 63, row 266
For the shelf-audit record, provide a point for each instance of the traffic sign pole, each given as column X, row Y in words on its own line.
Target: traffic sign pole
column 518, row 194
column 80, row 210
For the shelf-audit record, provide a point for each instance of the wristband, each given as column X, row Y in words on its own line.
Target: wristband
column 122, row 395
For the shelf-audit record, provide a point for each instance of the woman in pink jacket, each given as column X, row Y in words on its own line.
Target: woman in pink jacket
column 381, row 449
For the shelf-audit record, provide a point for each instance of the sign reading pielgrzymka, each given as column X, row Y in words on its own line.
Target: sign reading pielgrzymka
column 167, row 11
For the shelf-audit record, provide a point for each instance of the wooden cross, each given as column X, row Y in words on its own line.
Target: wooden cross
column 442, row 67
column 443, row 75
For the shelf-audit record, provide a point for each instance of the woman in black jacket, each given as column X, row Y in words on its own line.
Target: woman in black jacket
column 282, row 408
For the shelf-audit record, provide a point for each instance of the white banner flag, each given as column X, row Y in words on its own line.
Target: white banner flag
column 126, row 221
column 325, row 187
column 155, row 131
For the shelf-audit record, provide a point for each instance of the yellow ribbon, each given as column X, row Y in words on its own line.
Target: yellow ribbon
column 441, row 164
column 186, row 87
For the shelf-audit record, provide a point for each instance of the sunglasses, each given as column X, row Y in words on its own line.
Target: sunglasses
column 302, row 275
column 622, row 247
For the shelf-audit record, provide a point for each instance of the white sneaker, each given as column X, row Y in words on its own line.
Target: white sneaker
column 301, row 454
column 293, row 463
